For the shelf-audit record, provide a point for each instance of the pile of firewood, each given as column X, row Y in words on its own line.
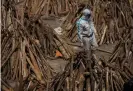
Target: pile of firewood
column 48, row 7
column 113, row 20
column 24, row 49
column 97, row 74
column 27, row 43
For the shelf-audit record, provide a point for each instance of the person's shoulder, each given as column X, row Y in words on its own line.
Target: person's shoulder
column 81, row 21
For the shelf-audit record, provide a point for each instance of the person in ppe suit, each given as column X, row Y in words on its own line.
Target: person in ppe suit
column 86, row 32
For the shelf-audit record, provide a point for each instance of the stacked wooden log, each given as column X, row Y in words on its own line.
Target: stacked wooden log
column 51, row 7
column 97, row 74
column 27, row 43
column 113, row 20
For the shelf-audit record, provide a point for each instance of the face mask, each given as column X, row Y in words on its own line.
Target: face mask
column 88, row 16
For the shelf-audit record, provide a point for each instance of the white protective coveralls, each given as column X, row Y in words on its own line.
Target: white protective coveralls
column 86, row 34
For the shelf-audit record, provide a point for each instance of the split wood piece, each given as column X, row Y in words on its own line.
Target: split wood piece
column 34, row 66
column 104, row 32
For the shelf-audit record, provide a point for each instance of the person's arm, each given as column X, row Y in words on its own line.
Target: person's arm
column 93, row 27
column 80, row 30
column 95, row 35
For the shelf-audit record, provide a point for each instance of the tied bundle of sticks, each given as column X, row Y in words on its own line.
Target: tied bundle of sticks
column 111, row 20
column 97, row 74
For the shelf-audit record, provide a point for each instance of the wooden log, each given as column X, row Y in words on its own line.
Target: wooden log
column 35, row 67
column 104, row 32
column 107, row 79
column 88, row 85
column 24, row 62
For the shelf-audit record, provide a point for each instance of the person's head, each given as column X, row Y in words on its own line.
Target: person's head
column 87, row 13
column 128, row 86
